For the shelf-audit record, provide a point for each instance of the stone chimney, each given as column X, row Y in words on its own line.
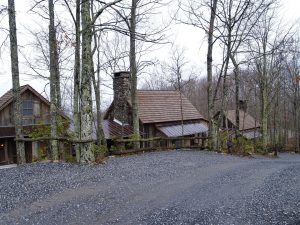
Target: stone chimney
column 243, row 105
column 121, row 87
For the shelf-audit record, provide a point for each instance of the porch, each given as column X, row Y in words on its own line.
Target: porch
column 8, row 152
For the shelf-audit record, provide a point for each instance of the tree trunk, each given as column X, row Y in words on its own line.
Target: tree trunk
column 54, row 83
column 212, row 125
column 76, row 99
column 237, row 94
column 86, row 155
column 96, row 82
column 16, row 82
column 264, row 101
column 100, row 134
column 181, row 104
column 297, row 112
column 133, row 70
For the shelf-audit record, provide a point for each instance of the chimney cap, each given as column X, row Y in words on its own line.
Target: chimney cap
column 124, row 74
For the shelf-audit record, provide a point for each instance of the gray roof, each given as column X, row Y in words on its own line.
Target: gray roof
column 251, row 134
column 188, row 129
column 246, row 120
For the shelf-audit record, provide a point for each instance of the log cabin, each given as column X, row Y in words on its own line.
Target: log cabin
column 162, row 113
column 36, row 112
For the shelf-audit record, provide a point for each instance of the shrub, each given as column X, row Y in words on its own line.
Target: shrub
column 115, row 149
column 243, row 145
column 100, row 152
column 42, row 154
column 69, row 158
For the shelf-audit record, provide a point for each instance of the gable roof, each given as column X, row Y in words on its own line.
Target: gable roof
column 246, row 120
column 164, row 106
column 7, row 98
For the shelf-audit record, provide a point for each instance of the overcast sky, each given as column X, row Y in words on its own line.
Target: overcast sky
column 187, row 37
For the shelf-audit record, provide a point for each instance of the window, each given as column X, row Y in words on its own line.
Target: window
column 36, row 109
column 27, row 108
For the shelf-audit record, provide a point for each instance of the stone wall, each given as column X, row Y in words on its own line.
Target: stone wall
column 121, row 87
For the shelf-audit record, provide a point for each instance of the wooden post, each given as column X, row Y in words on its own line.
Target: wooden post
column 6, row 152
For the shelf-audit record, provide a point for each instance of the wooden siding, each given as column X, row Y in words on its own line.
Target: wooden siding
column 40, row 111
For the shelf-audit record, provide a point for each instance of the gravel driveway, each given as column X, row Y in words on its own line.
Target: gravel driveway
column 174, row 187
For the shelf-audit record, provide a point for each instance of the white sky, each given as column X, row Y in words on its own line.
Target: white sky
column 187, row 37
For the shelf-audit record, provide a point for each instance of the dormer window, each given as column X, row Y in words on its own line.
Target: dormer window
column 27, row 108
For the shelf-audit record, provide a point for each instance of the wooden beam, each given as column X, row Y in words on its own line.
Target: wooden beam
column 54, row 138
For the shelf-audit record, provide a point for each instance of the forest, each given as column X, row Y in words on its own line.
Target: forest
column 251, row 55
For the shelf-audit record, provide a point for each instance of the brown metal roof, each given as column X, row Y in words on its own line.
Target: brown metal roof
column 246, row 120
column 113, row 129
column 164, row 106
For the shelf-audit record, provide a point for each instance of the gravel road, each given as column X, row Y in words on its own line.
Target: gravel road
column 174, row 187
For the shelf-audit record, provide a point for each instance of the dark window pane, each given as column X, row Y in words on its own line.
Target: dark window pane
column 27, row 108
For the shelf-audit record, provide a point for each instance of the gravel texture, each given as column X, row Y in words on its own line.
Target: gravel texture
column 174, row 187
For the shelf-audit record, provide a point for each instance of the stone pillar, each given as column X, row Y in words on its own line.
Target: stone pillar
column 35, row 151
column 121, row 87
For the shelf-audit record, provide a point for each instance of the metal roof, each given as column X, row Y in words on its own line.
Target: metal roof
column 251, row 134
column 188, row 129
column 112, row 129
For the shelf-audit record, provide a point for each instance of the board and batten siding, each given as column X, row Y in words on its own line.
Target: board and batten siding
column 40, row 112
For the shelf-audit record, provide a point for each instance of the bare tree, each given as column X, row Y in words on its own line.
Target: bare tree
column 238, row 18
column 175, row 69
column 96, row 83
column 292, row 65
column 133, row 70
column 196, row 15
column 54, row 83
column 76, row 72
column 86, row 154
column 136, row 27
column 76, row 110
column 263, row 50
column 16, row 82
column 210, row 43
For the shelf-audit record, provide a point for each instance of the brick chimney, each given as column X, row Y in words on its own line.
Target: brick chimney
column 121, row 87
